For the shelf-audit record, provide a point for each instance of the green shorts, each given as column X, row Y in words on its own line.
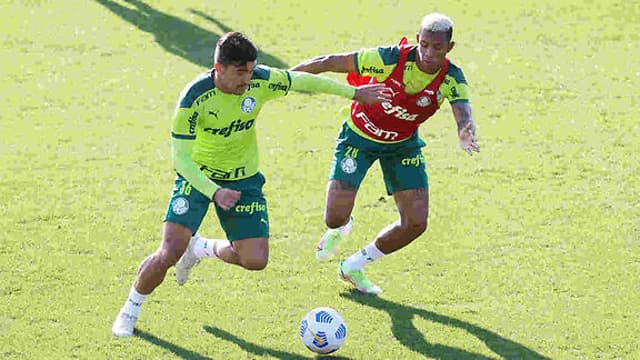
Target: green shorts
column 402, row 163
column 249, row 218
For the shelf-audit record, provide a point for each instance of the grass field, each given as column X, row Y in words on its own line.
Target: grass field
column 533, row 247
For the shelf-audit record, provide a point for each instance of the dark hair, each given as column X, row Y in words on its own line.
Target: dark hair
column 233, row 48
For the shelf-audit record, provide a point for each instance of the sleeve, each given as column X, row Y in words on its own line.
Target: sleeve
column 278, row 82
column 183, row 136
column 456, row 89
column 377, row 62
column 302, row 81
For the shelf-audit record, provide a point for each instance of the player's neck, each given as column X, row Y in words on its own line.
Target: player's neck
column 428, row 71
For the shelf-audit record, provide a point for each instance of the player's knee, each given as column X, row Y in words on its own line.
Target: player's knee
column 254, row 263
column 165, row 259
column 416, row 226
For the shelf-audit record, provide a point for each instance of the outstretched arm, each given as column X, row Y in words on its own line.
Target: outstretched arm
column 341, row 63
column 466, row 127
column 365, row 94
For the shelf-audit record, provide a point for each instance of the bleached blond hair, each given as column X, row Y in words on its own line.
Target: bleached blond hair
column 436, row 22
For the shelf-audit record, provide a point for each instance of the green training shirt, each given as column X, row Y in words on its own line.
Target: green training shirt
column 380, row 62
column 214, row 133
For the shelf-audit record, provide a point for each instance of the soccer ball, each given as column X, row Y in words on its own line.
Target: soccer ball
column 323, row 330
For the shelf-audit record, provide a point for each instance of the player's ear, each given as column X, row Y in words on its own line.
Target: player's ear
column 417, row 37
column 451, row 45
column 216, row 67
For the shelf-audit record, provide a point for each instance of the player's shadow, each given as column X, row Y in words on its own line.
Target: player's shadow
column 175, row 349
column 178, row 36
column 261, row 350
column 408, row 335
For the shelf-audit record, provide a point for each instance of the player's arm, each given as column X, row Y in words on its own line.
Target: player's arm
column 466, row 127
column 365, row 94
column 185, row 166
column 341, row 63
column 455, row 90
column 182, row 139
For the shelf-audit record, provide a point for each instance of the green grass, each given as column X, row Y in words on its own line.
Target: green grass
column 532, row 249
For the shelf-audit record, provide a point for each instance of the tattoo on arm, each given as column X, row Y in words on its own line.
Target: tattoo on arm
column 341, row 63
column 310, row 66
column 462, row 114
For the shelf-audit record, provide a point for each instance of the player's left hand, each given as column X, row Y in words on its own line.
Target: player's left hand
column 372, row 94
column 468, row 141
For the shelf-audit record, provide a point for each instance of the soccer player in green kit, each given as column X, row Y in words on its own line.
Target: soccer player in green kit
column 215, row 154
column 420, row 78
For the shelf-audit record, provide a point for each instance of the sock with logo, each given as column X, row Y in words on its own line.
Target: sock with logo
column 134, row 302
column 206, row 247
column 363, row 257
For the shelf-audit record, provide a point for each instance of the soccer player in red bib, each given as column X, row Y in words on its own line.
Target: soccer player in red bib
column 420, row 78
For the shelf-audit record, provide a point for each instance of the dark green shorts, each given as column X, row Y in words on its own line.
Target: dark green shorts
column 249, row 218
column 402, row 163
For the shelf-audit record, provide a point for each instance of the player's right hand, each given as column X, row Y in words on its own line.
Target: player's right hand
column 226, row 198
column 372, row 94
column 468, row 141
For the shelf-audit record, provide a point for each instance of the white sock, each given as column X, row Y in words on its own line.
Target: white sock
column 346, row 228
column 134, row 302
column 363, row 257
column 206, row 247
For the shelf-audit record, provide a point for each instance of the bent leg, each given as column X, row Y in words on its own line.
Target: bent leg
column 185, row 212
column 251, row 254
column 413, row 205
column 151, row 272
column 153, row 269
column 341, row 197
